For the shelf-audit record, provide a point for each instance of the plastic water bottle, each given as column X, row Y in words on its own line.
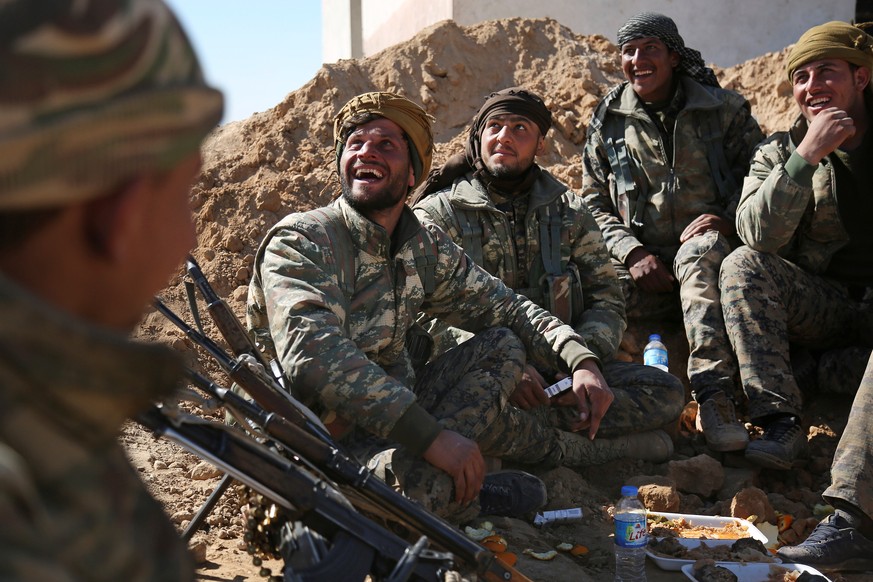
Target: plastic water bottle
column 631, row 537
column 655, row 353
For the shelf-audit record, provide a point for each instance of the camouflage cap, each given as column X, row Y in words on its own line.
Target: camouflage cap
column 412, row 119
column 93, row 92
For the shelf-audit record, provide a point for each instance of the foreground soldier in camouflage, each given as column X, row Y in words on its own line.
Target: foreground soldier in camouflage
column 844, row 540
column 807, row 273
column 336, row 291
column 530, row 230
column 665, row 155
column 102, row 111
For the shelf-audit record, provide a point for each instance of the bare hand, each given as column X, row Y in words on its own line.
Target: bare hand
column 648, row 272
column 704, row 223
column 530, row 391
column 827, row 131
column 593, row 394
column 459, row 457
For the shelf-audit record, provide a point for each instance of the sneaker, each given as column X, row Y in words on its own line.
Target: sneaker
column 782, row 442
column 834, row 545
column 511, row 494
column 579, row 451
column 717, row 420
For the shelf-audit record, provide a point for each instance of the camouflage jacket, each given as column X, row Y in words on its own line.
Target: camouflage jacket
column 778, row 215
column 346, row 355
column 71, row 506
column 649, row 202
column 595, row 296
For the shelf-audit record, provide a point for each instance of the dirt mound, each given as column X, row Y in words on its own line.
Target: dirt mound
column 281, row 160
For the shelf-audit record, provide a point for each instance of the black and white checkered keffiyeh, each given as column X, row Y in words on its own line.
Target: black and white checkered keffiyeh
column 652, row 24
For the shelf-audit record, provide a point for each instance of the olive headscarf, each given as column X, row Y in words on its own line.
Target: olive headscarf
column 832, row 40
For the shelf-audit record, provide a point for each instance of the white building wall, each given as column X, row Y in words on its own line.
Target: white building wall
column 726, row 32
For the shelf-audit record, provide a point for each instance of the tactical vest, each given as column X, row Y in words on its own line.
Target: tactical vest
column 631, row 187
column 558, row 290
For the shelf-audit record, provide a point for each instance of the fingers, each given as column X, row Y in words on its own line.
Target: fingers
column 472, row 477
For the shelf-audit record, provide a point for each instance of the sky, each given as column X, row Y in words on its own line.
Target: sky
column 256, row 51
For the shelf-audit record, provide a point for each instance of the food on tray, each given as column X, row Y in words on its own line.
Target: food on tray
column 660, row 526
column 780, row 574
column 742, row 550
column 711, row 572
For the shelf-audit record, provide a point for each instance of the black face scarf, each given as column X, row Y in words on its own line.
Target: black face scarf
column 513, row 101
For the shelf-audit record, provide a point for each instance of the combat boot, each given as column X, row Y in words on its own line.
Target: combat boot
column 579, row 451
column 717, row 420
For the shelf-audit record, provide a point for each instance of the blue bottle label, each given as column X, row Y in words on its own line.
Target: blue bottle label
column 630, row 531
column 655, row 357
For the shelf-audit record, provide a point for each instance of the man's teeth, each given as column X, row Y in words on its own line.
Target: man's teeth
column 367, row 173
column 643, row 72
column 818, row 101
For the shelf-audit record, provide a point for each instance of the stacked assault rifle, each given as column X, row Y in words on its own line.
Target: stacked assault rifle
column 340, row 522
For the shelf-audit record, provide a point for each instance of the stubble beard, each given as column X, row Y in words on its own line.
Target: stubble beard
column 386, row 198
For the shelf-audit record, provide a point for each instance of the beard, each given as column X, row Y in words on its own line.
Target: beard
column 377, row 198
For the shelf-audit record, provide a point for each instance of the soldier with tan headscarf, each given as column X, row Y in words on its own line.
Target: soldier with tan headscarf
column 335, row 295
column 102, row 111
column 806, row 276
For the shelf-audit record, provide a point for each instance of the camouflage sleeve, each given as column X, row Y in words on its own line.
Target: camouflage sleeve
column 772, row 204
column 742, row 136
column 468, row 297
column 602, row 323
column 597, row 187
column 307, row 312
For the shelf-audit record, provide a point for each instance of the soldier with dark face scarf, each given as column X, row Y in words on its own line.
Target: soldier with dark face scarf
column 524, row 226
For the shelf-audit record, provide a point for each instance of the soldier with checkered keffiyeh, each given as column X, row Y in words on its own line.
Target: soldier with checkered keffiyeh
column 665, row 155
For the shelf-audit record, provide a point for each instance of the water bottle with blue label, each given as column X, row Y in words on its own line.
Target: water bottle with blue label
column 631, row 537
column 655, row 353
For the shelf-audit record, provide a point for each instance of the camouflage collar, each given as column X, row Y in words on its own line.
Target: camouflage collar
column 696, row 97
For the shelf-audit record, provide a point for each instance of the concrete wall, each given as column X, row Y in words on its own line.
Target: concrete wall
column 726, row 32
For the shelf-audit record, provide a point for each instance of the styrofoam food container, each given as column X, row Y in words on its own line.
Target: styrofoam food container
column 675, row 564
column 750, row 572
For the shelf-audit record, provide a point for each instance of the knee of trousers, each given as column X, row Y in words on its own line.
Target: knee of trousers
column 501, row 340
column 744, row 264
column 702, row 253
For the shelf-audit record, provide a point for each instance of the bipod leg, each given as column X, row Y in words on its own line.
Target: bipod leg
column 207, row 507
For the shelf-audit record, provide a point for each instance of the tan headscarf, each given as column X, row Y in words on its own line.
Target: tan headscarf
column 832, row 40
column 412, row 119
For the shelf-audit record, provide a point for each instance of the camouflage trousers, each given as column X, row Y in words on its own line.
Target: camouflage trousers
column 852, row 468
column 468, row 387
column 769, row 303
column 711, row 363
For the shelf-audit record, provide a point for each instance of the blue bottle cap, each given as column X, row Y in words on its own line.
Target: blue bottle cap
column 655, row 337
column 629, row 491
